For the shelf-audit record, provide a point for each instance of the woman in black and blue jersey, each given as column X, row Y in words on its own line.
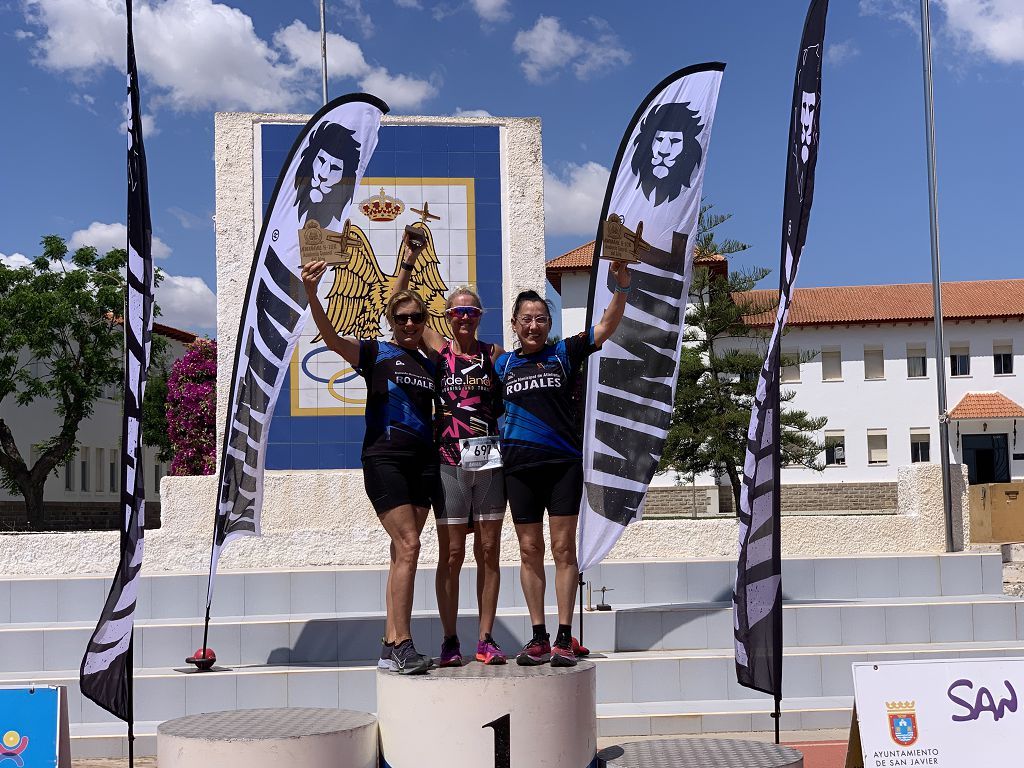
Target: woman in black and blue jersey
column 399, row 459
column 542, row 454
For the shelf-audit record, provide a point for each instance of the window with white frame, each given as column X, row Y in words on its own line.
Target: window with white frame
column 920, row 445
column 831, row 365
column 835, row 449
column 878, row 447
column 917, row 362
column 98, row 487
column 158, row 473
column 790, row 366
column 112, row 470
column 83, row 469
column 1002, row 359
column 69, row 474
column 874, row 363
column 960, row 360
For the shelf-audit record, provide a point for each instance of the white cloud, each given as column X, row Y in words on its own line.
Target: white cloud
column 399, row 91
column 22, row 34
column 409, row 4
column 15, row 260
column 149, row 126
column 841, row 52
column 547, row 48
column 186, row 303
column 189, row 220
column 491, row 10
column 460, row 112
column 903, row 11
column 354, row 10
column 199, row 54
column 104, row 237
column 572, row 201
column 993, row 28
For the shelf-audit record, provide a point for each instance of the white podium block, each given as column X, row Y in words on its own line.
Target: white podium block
column 480, row 716
column 269, row 738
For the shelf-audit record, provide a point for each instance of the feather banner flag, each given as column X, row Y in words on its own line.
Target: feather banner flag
column 317, row 181
column 650, row 210
column 757, row 598
column 105, row 676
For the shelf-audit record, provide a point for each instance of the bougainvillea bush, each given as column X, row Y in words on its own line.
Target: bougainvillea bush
column 192, row 409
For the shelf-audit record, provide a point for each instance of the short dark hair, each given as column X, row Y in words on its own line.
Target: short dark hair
column 530, row 295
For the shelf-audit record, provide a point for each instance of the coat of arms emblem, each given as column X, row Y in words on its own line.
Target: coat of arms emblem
column 902, row 722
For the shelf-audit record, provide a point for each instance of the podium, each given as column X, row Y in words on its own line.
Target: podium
column 479, row 716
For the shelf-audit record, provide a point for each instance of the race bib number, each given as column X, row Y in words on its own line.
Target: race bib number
column 481, row 453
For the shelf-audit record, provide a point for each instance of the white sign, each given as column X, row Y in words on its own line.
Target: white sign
column 950, row 714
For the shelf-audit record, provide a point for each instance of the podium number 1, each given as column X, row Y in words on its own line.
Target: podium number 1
column 502, row 749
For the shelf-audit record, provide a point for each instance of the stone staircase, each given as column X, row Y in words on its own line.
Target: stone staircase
column 664, row 653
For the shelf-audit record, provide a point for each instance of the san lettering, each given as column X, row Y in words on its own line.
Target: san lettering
column 984, row 702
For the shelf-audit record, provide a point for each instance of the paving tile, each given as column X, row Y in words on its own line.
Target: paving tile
column 878, row 577
column 721, row 632
column 599, row 631
column 950, row 623
column 664, row 583
column 224, row 639
column 33, row 600
column 144, row 600
column 907, row 624
column 656, row 680
column 672, row 725
column 5, row 601
column 684, row 629
column 835, row 578
column 267, row 594
column 174, row 596
column 313, row 592
column 797, row 579
column 638, row 630
column 802, row 676
column 960, row 574
column 359, row 639
column 863, row 625
column 22, row 650
column 159, row 698
column 315, row 641
column 624, row 726
column 211, row 693
column 265, row 643
column 63, row 648
column 92, row 713
column 705, row 678
column 263, row 691
column 627, row 579
column 837, row 673
column 510, row 632
column 508, row 590
column 228, row 595
column 995, row 621
column 790, row 721
column 80, row 599
column 709, row 581
column 313, row 689
column 919, row 576
column 818, row 626
column 824, row 720
column 1020, row 621
column 165, row 646
column 992, row 574
column 357, row 689
column 615, row 681
column 723, row 723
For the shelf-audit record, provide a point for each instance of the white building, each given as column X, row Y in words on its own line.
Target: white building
column 873, row 372
column 84, row 492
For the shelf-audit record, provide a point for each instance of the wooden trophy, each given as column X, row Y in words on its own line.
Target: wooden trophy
column 620, row 243
column 319, row 244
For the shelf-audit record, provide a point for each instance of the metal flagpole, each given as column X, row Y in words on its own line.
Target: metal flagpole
column 940, row 361
column 323, row 45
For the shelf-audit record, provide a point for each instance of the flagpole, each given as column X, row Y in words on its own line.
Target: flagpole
column 933, row 211
column 323, row 45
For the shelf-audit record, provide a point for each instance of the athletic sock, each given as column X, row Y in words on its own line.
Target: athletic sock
column 564, row 637
column 540, row 632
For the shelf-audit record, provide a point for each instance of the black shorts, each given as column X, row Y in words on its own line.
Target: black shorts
column 557, row 487
column 393, row 481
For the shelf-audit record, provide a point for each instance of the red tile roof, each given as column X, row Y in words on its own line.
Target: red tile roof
column 580, row 260
column 986, row 405
column 177, row 334
column 908, row 302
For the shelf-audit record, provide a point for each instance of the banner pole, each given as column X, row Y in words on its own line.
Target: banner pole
column 323, row 46
column 933, row 221
column 777, row 716
column 581, row 607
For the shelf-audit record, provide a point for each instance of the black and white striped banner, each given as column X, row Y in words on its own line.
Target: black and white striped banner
column 317, row 181
column 655, row 187
column 757, row 599
column 106, row 672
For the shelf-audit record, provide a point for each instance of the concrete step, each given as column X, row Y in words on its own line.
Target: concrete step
column 330, row 590
column 1012, row 553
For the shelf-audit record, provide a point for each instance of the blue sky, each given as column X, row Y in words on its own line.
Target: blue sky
column 581, row 67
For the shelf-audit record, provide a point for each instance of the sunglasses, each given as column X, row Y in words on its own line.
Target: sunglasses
column 464, row 312
column 411, row 317
column 539, row 320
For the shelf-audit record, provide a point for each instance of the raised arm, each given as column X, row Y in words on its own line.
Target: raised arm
column 613, row 312
column 346, row 346
column 406, row 263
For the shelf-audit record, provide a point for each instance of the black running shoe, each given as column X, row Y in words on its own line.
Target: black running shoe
column 386, row 661
column 408, row 661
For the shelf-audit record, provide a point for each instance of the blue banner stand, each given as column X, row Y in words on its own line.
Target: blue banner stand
column 34, row 727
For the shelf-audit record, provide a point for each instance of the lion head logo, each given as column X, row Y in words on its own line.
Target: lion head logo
column 326, row 177
column 666, row 151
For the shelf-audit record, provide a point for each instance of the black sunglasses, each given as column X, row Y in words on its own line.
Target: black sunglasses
column 411, row 317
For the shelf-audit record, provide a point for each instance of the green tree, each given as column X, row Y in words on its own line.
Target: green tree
column 154, row 411
column 60, row 340
column 718, row 371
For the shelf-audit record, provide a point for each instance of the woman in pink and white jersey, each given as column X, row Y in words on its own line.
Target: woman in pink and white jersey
column 471, row 492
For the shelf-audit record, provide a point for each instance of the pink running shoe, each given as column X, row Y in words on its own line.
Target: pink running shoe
column 534, row 653
column 489, row 652
column 562, row 656
column 451, row 653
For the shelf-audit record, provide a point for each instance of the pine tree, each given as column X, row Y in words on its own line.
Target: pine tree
column 721, row 358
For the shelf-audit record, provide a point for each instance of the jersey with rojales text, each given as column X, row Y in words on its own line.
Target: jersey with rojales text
column 540, row 426
column 469, row 399
column 400, row 392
